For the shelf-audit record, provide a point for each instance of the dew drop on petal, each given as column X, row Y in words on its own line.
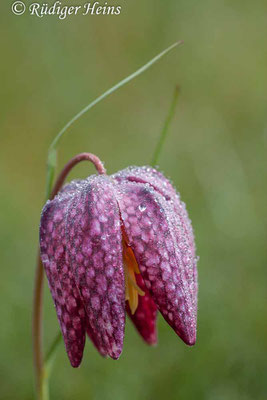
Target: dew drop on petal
column 142, row 207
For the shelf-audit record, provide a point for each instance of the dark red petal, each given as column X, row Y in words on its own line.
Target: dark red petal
column 149, row 221
column 94, row 244
column 69, row 307
column 145, row 316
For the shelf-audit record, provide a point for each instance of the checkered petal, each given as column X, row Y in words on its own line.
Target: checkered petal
column 94, row 249
column 150, row 223
column 181, row 222
column 68, row 303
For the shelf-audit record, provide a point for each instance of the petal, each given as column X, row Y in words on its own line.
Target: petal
column 72, row 186
column 94, row 244
column 181, row 222
column 145, row 317
column 149, row 221
column 162, row 185
column 69, row 307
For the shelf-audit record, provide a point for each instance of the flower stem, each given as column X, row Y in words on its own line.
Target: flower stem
column 164, row 131
column 42, row 369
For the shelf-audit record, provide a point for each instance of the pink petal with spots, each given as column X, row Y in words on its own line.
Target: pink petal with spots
column 181, row 222
column 145, row 316
column 162, row 185
column 69, row 307
column 149, row 221
column 94, row 244
column 72, row 186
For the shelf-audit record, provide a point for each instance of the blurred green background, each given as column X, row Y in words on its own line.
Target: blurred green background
column 215, row 154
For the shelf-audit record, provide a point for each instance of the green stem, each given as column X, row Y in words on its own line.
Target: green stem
column 164, row 131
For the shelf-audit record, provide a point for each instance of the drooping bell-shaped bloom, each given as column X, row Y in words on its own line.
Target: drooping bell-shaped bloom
column 111, row 244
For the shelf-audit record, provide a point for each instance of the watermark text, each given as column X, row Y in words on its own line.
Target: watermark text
column 62, row 11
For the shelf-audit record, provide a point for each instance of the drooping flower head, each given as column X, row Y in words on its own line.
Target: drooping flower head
column 111, row 244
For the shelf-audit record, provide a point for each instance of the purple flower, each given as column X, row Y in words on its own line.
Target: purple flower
column 116, row 244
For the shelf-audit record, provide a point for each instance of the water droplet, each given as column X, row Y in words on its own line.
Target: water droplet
column 142, row 207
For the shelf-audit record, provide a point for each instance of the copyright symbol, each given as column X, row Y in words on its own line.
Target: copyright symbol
column 18, row 8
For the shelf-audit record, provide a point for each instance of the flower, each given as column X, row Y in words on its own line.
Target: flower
column 111, row 244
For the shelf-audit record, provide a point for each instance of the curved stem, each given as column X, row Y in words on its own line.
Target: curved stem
column 39, row 275
column 68, row 167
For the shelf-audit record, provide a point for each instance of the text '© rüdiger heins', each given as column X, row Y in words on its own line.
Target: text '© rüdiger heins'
column 94, row 8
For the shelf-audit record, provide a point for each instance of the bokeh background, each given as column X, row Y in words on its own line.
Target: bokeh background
column 215, row 154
